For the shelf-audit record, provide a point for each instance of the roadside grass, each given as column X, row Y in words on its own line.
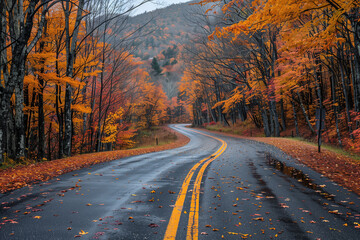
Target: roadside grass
column 247, row 129
column 339, row 165
column 329, row 147
column 145, row 139
column 244, row 129
column 10, row 163
column 156, row 136
column 24, row 175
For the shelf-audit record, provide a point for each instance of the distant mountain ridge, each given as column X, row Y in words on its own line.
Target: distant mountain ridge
column 168, row 29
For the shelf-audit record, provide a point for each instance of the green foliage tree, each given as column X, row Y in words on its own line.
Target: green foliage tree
column 156, row 67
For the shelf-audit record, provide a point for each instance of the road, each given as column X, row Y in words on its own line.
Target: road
column 215, row 187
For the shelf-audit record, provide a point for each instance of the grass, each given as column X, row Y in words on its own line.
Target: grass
column 248, row 130
column 244, row 129
column 147, row 138
column 10, row 163
column 21, row 175
column 328, row 147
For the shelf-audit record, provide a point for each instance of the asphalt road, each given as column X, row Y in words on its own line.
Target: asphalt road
column 215, row 187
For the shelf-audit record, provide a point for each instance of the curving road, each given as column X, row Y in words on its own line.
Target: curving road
column 216, row 187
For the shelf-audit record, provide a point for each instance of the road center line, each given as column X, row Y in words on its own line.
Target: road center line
column 173, row 225
column 193, row 223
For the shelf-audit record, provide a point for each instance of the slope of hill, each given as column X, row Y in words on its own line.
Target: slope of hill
column 161, row 43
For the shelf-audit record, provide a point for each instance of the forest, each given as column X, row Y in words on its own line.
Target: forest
column 70, row 80
column 277, row 65
column 82, row 76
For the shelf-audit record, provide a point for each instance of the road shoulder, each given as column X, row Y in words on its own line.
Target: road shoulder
column 339, row 168
column 21, row 176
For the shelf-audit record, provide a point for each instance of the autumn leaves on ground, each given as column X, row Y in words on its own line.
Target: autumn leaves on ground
column 342, row 169
column 22, row 176
column 84, row 77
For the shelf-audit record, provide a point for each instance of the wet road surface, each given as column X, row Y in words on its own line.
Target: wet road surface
column 215, row 187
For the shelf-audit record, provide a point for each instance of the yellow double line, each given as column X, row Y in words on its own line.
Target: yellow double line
column 193, row 223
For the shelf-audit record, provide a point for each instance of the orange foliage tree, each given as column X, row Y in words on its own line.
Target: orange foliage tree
column 277, row 62
column 63, row 82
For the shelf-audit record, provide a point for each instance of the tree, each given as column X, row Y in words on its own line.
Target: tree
column 43, row 53
column 276, row 62
column 23, row 35
column 156, row 67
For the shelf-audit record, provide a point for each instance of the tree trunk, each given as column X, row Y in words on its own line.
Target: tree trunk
column 41, row 117
column 98, row 134
column 276, row 118
column 335, row 107
column 93, row 91
column 283, row 116
column 305, row 114
column 71, row 44
column 346, row 96
column 295, row 119
column 272, row 126
column 265, row 120
column 356, row 63
column 68, row 121
column 60, row 119
column 49, row 142
column 2, row 125
column 41, row 122
column 19, row 113
column 4, row 74
column 217, row 93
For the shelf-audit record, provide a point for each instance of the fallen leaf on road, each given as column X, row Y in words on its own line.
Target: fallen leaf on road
column 283, row 205
column 153, row 225
column 82, row 232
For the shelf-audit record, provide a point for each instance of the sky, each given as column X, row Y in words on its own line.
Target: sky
column 156, row 4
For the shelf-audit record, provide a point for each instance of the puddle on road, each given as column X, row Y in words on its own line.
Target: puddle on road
column 298, row 175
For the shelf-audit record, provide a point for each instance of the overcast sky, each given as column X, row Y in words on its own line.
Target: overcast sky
column 157, row 4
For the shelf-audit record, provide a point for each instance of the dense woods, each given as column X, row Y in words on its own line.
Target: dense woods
column 70, row 82
column 274, row 64
column 81, row 76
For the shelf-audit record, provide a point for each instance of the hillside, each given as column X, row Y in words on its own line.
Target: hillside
column 160, row 46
